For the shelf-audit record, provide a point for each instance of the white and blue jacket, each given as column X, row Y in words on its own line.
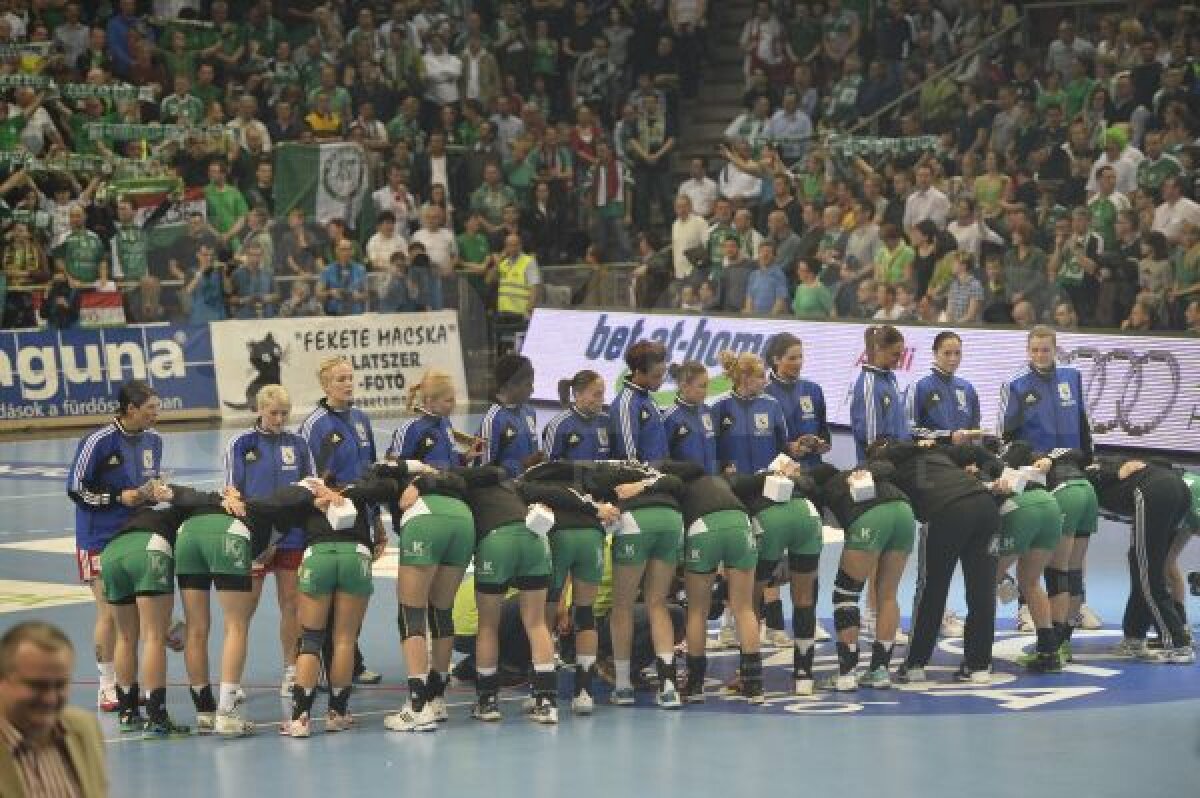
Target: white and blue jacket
column 876, row 410
column 803, row 404
column 940, row 404
column 572, row 435
column 692, row 434
column 510, row 436
column 107, row 462
column 1045, row 409
column 636, row 426
column 428, row 438
column 751, row 432
column 258, row 463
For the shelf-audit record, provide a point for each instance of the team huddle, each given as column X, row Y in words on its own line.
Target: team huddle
column 731, row 493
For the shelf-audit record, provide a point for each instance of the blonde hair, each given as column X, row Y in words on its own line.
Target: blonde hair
column 272, row 395
column 329, row 364
column 1042, row 331
column 433, row 382
column 739, row 366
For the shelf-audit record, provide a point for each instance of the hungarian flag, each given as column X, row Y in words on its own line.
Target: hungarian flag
column 329, row 181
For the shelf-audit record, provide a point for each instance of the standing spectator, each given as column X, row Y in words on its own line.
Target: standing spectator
column 812, row 299
column 253, row 283
column 1075, row 261
column 651, row 140
column 437, row 167
column 207, row 288
column 227, row 207
column 480, row 78
column 762, row 41
column 491, row 198
column 342, row 287
column 437, row 242
column 1105, row 205
column 1024, row 276
column 385, row 241
column 786, row 243
column 1066, row 49
column 442, row 72
column 1154, row 276
column 964, row 298
column 606, row 189
column 926, row 202
column 24, row 262
column 766, row 289
column 81, row 252
column 689, row 239
column 594, row 79
column 1176, row 211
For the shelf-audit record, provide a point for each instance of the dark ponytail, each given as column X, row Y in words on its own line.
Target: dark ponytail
column 570, row 388
column 877, row 336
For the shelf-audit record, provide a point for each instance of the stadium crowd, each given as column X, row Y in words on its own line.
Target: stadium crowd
column 906, row 160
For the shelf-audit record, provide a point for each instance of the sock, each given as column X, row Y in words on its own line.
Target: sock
column 696, row 667
column 1069, row 629
column 202, row 698
column 436, row 684
column 127, row 698
column 545, row 681
column 339, row 700
column 488, row 682
column 804, row 622
column 156, row 704
column 751, row 669
column 583, row 678
column 773, row 614
column 418, row 691
column 108, row 674
column 665, row 665
column 802, row 659
column 847, row 657
column 621, row 669
column 1047, row 640
column 302, row 701
column 881, row 655
column 228, row 696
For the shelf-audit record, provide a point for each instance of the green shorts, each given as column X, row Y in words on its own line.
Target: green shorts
column 212, row 544
column 341, row 567
column 794, row 527
column 649, row 532
column 1029, row 520
column 885, row 527
column 136, row 564
column 724, row 537
column 511, row 552
column 437, row 530
column 1079, row 506
column 578, row 553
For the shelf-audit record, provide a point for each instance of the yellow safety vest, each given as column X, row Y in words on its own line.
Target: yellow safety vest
column 512, row 295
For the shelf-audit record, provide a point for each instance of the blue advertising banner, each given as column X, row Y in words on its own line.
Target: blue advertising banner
column 48, row 376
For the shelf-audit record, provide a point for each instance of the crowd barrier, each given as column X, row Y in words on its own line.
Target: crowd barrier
column 1141, row 391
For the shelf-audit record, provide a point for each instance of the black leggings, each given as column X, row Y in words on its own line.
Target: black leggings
column 962, row 531
column 1160, row 503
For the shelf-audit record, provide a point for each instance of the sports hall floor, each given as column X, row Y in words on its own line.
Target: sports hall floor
column 1105, row 727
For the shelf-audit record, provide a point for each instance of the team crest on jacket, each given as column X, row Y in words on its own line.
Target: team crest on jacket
column 147, row 459
column 644, row 415
column 706, row 420
column 362, row 430
column 1031, row 398
column 288, row 455
column 761, row 422
column 962, row 397
column 602, row 436
column 806, row 405
column 114, row 460
column 886, row 400
column 1064, row 393
column 726, row 422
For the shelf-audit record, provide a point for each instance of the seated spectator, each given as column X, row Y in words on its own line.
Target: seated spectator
column 731, row 275
column 1141, row 318
column 886, row 307
column 653, row 273
column 964, row 297
column 402, row 293
column 812, row 298
column 1191, row 318
column 894, row 258
column 699, row 188
column 996, row 306
column 254, row 295
column 384, row 242
column 60, row 306
column 1065, row 317
column 342, row 287
column 1154, row 275
column 300, row 302
column 1024, row 314
column 767, row 288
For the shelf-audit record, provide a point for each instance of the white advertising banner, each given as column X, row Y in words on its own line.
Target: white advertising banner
column 389, row 353
column 1142, row 391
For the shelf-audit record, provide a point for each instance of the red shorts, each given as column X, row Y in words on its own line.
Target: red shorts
column 88, row 563
column 284, row 560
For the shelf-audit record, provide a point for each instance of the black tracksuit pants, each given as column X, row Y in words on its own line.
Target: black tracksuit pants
column 960, row 532
column 1160, row 503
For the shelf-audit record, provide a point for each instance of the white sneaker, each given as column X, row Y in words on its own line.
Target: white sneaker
column 1128, row 647
column 1087, row 618
column 232, row 724
column 440, row 713
column 980, row 677
column 583, row 704
column 301, row 727
column 106, row 699
column 822, row 634
column 668, row 696
column 544, row 711
column 205, row 722
column 952, row 625
column 289, row 681
column 901, row 638
column 1183, row 655
column 727, row 638
column 774, row 638
column 1025, row 620
column 410, row 720
column 841, row 683
column 336, row 721
column 804, row 686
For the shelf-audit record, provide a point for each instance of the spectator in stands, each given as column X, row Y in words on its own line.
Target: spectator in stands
column 689, row 239
column 926, row 202
column 766, row 288
column 1065, row 317
column 518, row 280
column 812, row 298
column 384, row 242
column 964, row 297
column 1176, row 211
column 401, row 292
column 207, row 287
column 300, row 302
column 491, row 198
column 1025, row 265
column 699, row 188
column 651, row 141
column 894, row 258
column 342, row 287
column 253, row 294
column 227, row 207
column 437, row 242
column 81, row 252
column 24, row 263
column 1192, row 318
column 606, row 190
column 747, row 235
column 737, row 180
column 731, row 275
column 546, row 224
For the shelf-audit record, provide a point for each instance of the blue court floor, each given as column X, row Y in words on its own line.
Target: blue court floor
column 1105, row 727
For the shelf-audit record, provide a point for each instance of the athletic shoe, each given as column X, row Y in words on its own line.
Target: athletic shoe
column 299, row 727
column 952, row 625
column 693, row 693
column 106, row 699
column 1156, row 656
column 623, row 697
column 337, row 721
column 289, row 681
column 915, row 674
column 1042, row 663
column 1088, row 619
column 1129, row 647
column 1183, row 655
column 582, row 704
column 980, row 677
column 774, row 638
column 804, row 685
column 1025, row 620
column 877, row 678
column 901, row 638
column 753, row 694
column 544, row 711
column 131, row 720
column 440, row 713
column 1007, row 591
column 822, row 634
column 411, row 720
column 734, row 685
column 487, row 708
column 165, row 729
column 177, row 635
column 232, row 724
column 727, row 638
column 368, row 676
column 840, row 683
column 205, row 722
column 668, row 696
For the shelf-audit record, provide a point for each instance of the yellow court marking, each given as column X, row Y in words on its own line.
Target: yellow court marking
column 19, row 596
column 63, row 545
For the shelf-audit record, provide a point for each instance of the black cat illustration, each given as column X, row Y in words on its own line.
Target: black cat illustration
column 266, row 357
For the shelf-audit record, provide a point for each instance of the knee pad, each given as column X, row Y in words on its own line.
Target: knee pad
column 846, row 593
column 1075, row 582
column 311, row 641
column 1057, row 582
column 585, row 619
column 441, row 622
column 411, row 621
